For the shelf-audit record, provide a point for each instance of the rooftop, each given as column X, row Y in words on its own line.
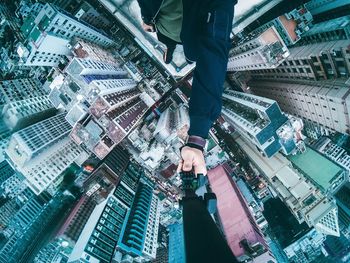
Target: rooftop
column 233, row 212
column 316, row 167
column 290, row 25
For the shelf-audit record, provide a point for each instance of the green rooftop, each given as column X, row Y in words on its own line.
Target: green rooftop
column 221, row 155
column 35, row 34
column 28, row 25
column 317, row 168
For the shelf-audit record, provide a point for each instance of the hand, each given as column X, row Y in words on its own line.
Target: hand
column 192, row 159
column 147, row 28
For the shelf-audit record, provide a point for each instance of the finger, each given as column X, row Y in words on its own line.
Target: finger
column 187, row 165
column 179, row 167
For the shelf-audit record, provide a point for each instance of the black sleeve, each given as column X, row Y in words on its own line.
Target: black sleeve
column 211, row 66
column 149, row 9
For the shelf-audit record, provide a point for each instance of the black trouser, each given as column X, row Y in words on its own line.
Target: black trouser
column 170, row 44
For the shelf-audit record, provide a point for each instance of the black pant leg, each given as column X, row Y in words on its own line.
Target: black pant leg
column 170, row 44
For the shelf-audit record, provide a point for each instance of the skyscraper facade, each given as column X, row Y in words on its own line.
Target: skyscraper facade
column 103, row 104
column 5, row 171
column 73, row 226
column 90, row 15
column 85, row 49
column 261, row 121
column 319, row 61
column 124, row 225
column 292, row 25
column 312, row 82
column 321, row 105
column 266, row 50
column 176, row 244
column 19, row 89
column 48, row 35
column 171, row 123
column 42, row 151
column 23, row 102
column 267, row 46
column 317, row 7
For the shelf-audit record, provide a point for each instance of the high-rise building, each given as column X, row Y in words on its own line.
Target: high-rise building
column 162, row 246
column 90, row 69
column 327, row 175
column 27, row 143
column 263, row 51
column 7, row 211
column 322, row 53
column 317, row 7
column 23, row 102
column 260, row 121
column 90, row 15
column 326, row 105
column 87, row 79
column 319, row 61
column 267, row 46
column 171, row 124
column 85, row 49
column 290, row 26
column 29, row 211
column 26, row 9
column 13, row 186
column 142, row 241
column 307, row 248
column 103, row 104
column 299, row 189
column 4, row 140
column 73, row 226
column 107, row 175
column 19, row 89
column 343, row 202
column 48, row 35
column 42, row 151
column 255, row 207
column 29, row 223
column 6, row 171
column 56, row 250
column 176, row 244
column 330, row 30
column 124, row 225
column 240, row 228
column 17, row 115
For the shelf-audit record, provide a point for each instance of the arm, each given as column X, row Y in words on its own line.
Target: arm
column 209, row 74
column 208, row 79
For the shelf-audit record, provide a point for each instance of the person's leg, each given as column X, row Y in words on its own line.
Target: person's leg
column 194, row 17
column 170, row 44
